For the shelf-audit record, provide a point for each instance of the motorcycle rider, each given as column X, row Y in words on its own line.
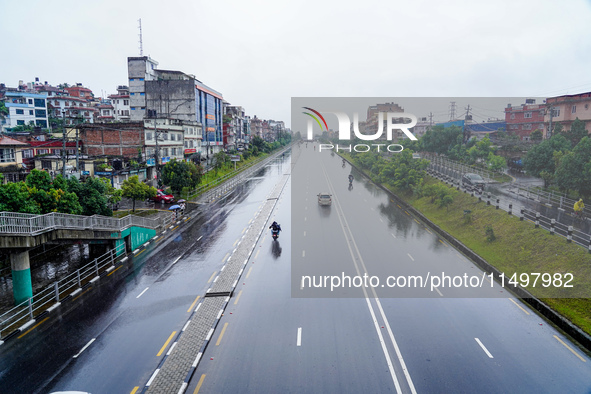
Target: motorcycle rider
column 351, row 178
column 275, row 227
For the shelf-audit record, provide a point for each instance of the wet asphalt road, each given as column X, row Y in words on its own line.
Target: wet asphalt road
column 274, row 338
column 130, row 314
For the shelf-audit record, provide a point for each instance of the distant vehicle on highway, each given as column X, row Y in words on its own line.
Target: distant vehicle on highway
column 324, row 199
column 473, row 181
column 161, row 197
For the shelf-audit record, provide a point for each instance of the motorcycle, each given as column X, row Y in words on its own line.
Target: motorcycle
column 275, row 234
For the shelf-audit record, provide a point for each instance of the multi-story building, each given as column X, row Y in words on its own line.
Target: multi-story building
column 139, row 70
column 25, row 109
column 566, row 109
column 105, row 112
column 37, row 149
column 120, row 103
column 80, row 92
column 256, row 127
column 166, row 135
column 234, row 132
column 525, row 118
column 11, row 159
column 193, row 134
column 159, row 94
column 74, row 110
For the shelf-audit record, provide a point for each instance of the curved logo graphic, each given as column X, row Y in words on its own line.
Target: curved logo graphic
column 315, row 118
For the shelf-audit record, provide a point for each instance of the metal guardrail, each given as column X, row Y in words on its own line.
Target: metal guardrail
column 551, row 224
column 23, row 315
column 456, row 170
column 28, row 224
column 223, row 185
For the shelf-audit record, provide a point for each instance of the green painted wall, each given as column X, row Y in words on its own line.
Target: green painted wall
column 139, row 236
column 22, row 288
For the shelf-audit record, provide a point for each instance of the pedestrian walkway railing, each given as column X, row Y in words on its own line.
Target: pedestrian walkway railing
column 557, row 226
column 13, row 223
column 44, row 301
column 228, row 182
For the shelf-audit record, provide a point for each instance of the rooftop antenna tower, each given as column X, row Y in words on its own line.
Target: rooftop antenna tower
column 141, row 44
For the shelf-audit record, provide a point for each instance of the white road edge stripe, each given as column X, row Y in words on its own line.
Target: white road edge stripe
column 146, row 289
column 84, row 348
column 484, row 348
column 299, row 340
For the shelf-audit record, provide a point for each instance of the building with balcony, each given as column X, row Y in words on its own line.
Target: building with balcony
column 11, row 159
column 120, row 103
column 565, row 109
column 105, row 112
column 25, row 109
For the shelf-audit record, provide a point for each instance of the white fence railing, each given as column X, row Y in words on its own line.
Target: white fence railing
column 12, row 223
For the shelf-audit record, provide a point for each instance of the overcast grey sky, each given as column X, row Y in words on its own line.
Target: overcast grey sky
column 260, row 53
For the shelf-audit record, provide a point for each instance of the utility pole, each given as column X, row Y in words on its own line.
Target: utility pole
column 64, row 144
column 430, row 118
column 551, row 110
column 77, row 155
column 156, row 153
column 467, row 111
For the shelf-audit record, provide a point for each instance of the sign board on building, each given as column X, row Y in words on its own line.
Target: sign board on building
column 166, row 159
column 209, row 116
column 211, row 129
column 234, row 157
column 103, row 173
column 151, row 162
column 85, row 172
column 191, row 150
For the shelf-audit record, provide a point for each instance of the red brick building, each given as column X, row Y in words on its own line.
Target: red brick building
column 113, row 139
column 525, row 118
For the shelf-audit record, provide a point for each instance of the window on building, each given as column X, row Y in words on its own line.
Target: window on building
column 165, row 136
column 164, row 151
column 7, row 155
column 527, row 126
column 46, row 164
column 71, row 151
column 126, row 112
column 30, row 101
column 20, row 111
column 20, row 122
column 131, row 79
column 132, row 93
column 40, row 103
column 41, row 123
column 42, row 151
column 133, row 108
column 31, row 112
column 527, row 115
column 149, row 136
column 28, row 154
column 105, row 112
column 142, row 94
column 556, row 113
column 40, row 113
column 125, row 102
column 512, row 115
column 141, row 79
column 143, row 108
column 573, row 109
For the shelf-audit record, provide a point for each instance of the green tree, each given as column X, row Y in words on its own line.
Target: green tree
column 3, row 110
column 67, row 202
column 39, row 180
column 576, row 133
column 179, row 174
column 136, row 190
column 440, row 140
column 14, row 197
column 537, row 135
column 496, row 163
column 541, row 157
column 574, row 170
column 92, row 197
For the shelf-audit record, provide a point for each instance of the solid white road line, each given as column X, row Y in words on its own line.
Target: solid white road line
column 410, row 257
column 484, row 348
column 142, row 293
column 299, row 340
column 84, row 348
